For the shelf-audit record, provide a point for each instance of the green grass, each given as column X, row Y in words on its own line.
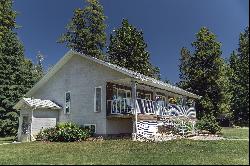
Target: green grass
column 235, row 133
column 127, row 152
column 6, row 140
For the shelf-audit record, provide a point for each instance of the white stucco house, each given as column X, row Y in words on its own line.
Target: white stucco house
column 109, row 99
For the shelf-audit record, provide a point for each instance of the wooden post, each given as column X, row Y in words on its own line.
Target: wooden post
column 133, row 87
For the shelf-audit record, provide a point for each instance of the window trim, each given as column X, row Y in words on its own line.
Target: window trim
column 89, row 124
column 65, row 103
column 95, row 99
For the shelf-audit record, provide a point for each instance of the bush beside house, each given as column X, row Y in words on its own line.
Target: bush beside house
column 208, row 123
column 64, row 132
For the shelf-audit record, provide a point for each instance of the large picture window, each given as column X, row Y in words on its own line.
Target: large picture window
column 98, row 99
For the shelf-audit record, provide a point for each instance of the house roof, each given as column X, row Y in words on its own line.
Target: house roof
column 148, row 80
column 37, row 103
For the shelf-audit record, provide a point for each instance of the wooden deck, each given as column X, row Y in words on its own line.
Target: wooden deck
column 139, row 116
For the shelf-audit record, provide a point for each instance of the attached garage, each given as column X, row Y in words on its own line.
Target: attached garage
column 35, row 114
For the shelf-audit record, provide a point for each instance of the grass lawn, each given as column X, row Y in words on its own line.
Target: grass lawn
column 188, row 152
column 235, row 133
column 127, row 152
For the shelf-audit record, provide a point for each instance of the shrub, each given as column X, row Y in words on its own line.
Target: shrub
column 168, row 129
column 63, row 132
column 208, row 123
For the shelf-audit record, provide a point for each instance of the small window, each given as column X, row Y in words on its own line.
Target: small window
column 98, row 99
column 90, row 127
column 148, row 96
column 67, row 103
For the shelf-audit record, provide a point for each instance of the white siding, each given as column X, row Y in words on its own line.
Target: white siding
column 80, row 76
column 43, row 119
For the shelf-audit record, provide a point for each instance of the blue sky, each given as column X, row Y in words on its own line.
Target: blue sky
column 168, row 25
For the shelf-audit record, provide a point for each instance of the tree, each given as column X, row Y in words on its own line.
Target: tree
column 86, row 31
column 184, row 68
column 38, row 68
column 7, row 17
column 16, row 72
column 205, row 73
column 128, row 49
column 239, row 64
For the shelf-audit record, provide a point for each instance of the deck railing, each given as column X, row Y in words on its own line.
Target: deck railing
column 144, row 106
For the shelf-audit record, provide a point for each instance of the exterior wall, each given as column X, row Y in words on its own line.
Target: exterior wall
column 23, row 112
column 119, row 126
column 80, row 76
column 43, row 118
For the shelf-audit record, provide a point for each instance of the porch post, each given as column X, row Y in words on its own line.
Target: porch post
column 133, row 86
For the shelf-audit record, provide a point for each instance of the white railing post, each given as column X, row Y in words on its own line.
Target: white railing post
column 133, row 87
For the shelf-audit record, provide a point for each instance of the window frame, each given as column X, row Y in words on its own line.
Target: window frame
column 89, row 124
column 67, row 113
column 95, row 99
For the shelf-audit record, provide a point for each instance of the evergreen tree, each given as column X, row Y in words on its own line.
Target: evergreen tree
column 184, row 68
column 86, row 31
column 16, row 79
column 205, row 73
column 128, row 49
column 239, row 63
column 16, row 72
column 7, row 17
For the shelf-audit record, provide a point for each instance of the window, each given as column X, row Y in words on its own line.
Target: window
column 98, row 99
column 67, row 103
column 139, row 95
column 161, row 100
column 148, row 96
column 121, row 93
column 91, row 127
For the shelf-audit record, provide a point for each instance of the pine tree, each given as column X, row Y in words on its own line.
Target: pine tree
column 86, row 31
column 239, row 64
column 184, row 68
column 7, row 17
column 128, row 49
column 16, row 79
column 205, row 73
column 16, row 72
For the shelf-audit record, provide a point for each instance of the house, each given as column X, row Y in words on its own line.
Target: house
column 107, row 98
